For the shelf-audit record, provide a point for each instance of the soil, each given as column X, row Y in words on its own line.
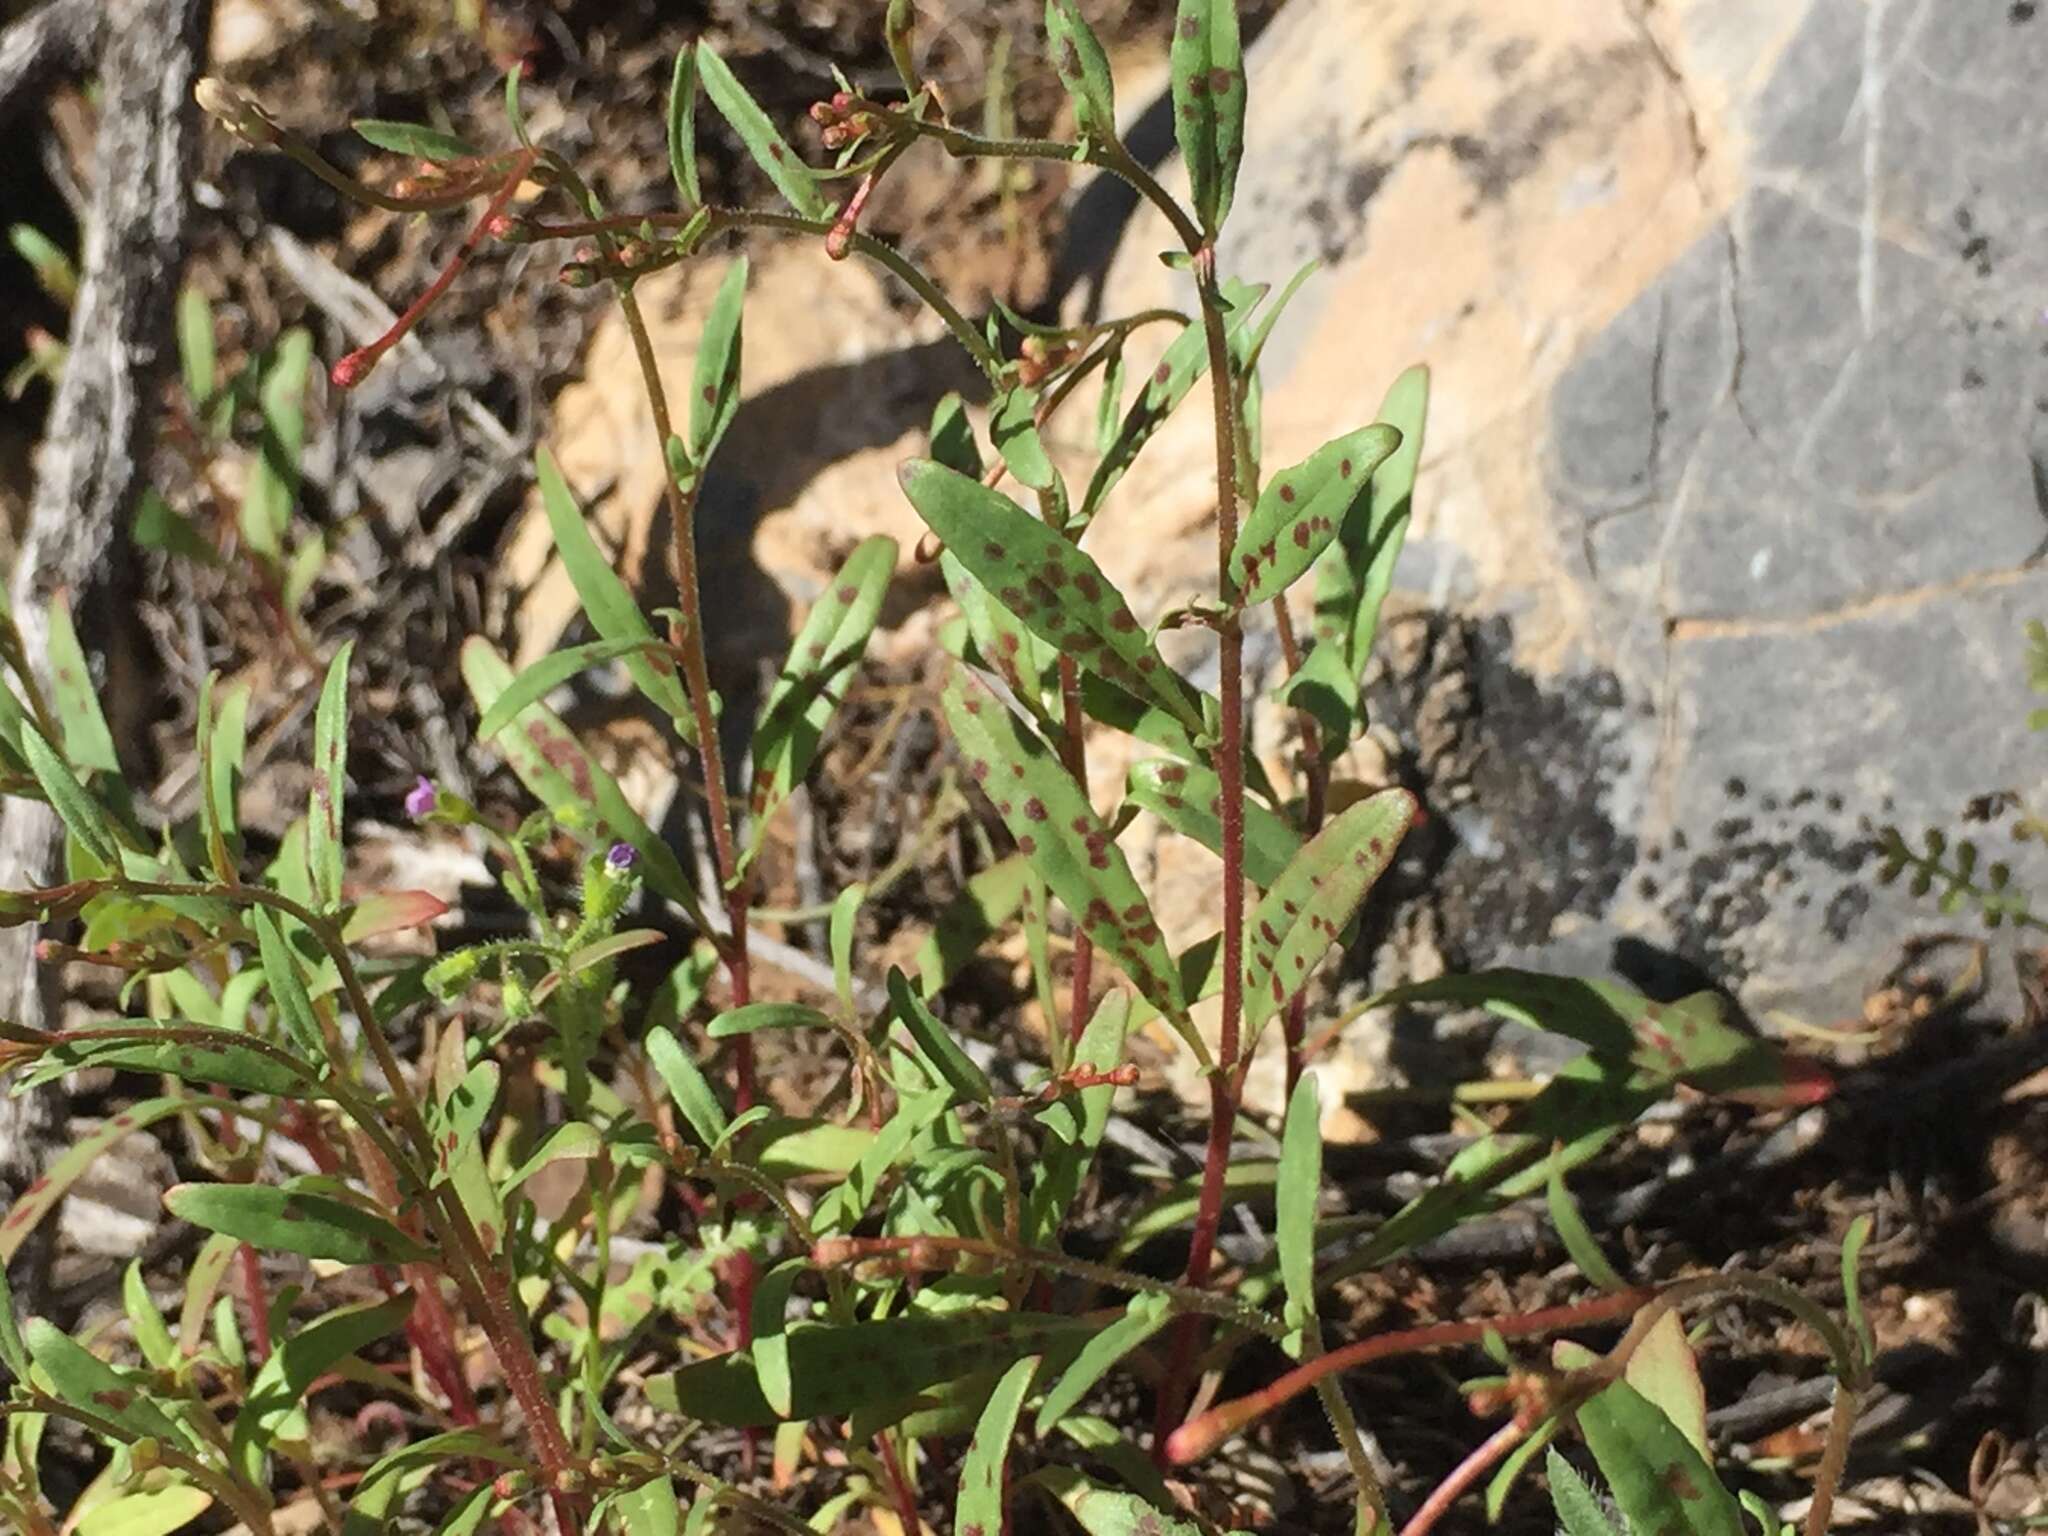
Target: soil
column 1939, row 1127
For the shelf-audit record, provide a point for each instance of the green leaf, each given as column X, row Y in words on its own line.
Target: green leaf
column 715, row 391
column 1660, row 1482
column 1301, row 510
column 991, row 899
column 1188, row 798
column 1301, row 1182
column 936, row 1041
column 952, row 436
column 1852, row 1286
column 287, row 987
column 1054, row 588
column 383, row 912
column 607, row 601
column 1174, row 1206
column 792, row 178
column 161, row 527
column 771, row 1341
column 682, row 132
column 1104, row 1511
column 813, row 681
column 838, row 1368
column 649, row 1510
column 79, row 812
column 151, row 1512
column 55, row 272
column 197, row 1055
column 1083, row 69
column 413, row 139
column 152, row 1334
column 1208, row 103
column 78, row 1154
column 1185, row 361
column 410, row 1463
column 76, row 1375
column 686, row 1085
column 1145, row 1316
column 88, row 744
column 13, row 1353
column 273, row 486
column 840, row 937
column 1579, row 1512
column 1315, row 898
column 330, row 781
column 1358, row 570
column 1001, row 643
column 276, row 1397
column 982, row 1483
column 1075, row 1122
column 552, row 763
column 554, row 669
column 1663, row 1369
column 1057, row 830
column 745, row 1020
column 573, row 1142
column 294, row 1219
column 1577, row 1237
column 1013, row 428
column 221, row 748
column 196, row 359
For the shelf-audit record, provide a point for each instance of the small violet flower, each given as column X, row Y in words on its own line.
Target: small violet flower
column 620, row 858
column 421, row 798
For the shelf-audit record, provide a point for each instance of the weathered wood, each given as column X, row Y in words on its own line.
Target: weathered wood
column 94, row 459
column 55, row 39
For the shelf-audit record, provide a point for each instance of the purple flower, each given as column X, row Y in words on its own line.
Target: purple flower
column 421, row 799
column 620, row 858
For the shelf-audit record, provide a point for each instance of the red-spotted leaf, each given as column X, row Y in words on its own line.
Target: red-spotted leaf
column 79, row 1154
column 813, row 681
column 835, row 1369
column 607, row 601
column 296, row 1219
column 391, row 912
column 1104, row 1511
column 1358, row 571
column 982, row 1483
column 1083, row 68
column 682, row 126
column 1057, row 830
column 1054, row 589
column 715, row 385
column 553, row 764
column 752, row 1017
column 1314, row 900
column 1189, row 799
column 792, row 178
column 190, row 1052
column 78, row 1376
column 1208, row 103
column 1660, row 1483
column 1301, row 509
column 1002, row 643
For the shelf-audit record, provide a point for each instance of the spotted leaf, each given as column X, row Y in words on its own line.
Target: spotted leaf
column 1208, row 103
column 1083, row 67
column 982, row 1484
column 1301, row 510
column 1058, row 831
column 792, row 178
column 1055, row 590
column 295, row 1219
column 1314, row 899
column 1189, row 798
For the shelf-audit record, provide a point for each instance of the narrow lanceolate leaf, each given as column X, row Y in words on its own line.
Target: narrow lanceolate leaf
column 952, row 436
column 76, row 1375
column 1359, row 571
column 80, row 813
column 1004, row 645
column 1579, row 1512
column 1145, row 1316
column 1690, row 1041
column 330, row 781
column 1579, row 1243
column 1104, row 1511
column 1075, row 1123
column 295, row 1219
column 556, row 668
column 752, row 1017
column 221, row 749
column 196, row 356
column 937, row 1042
column 277, row 1395
column 1013, row 428
column 607, row 601
column 190, row 1052
column 1185, row 361
column 792, row 178
column 412, row 139
column 288, row 993
column 687, row 1086
column 1660, row 1482
column 715, row 386
column 838, row 1368
column 88, row 744
column 1301, row 1180
column 1314, row 900
column 1664, row 1369
column 1189, row 799
column 553, row 764
column 682, row 126
column 1301, row 509
column 43, row 1195
column 273, row 485
column 980, row 1507
column 1054, row 589
column 1083, row 69
column 813, row 681
column 1208, row 103
column 1057, row 830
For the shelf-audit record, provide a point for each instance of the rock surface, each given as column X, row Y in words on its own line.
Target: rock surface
column 1735, row 482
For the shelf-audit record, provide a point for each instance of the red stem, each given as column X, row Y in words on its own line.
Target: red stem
column 906, row 1496
column 1464, row 1475
column 1199, row 1436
